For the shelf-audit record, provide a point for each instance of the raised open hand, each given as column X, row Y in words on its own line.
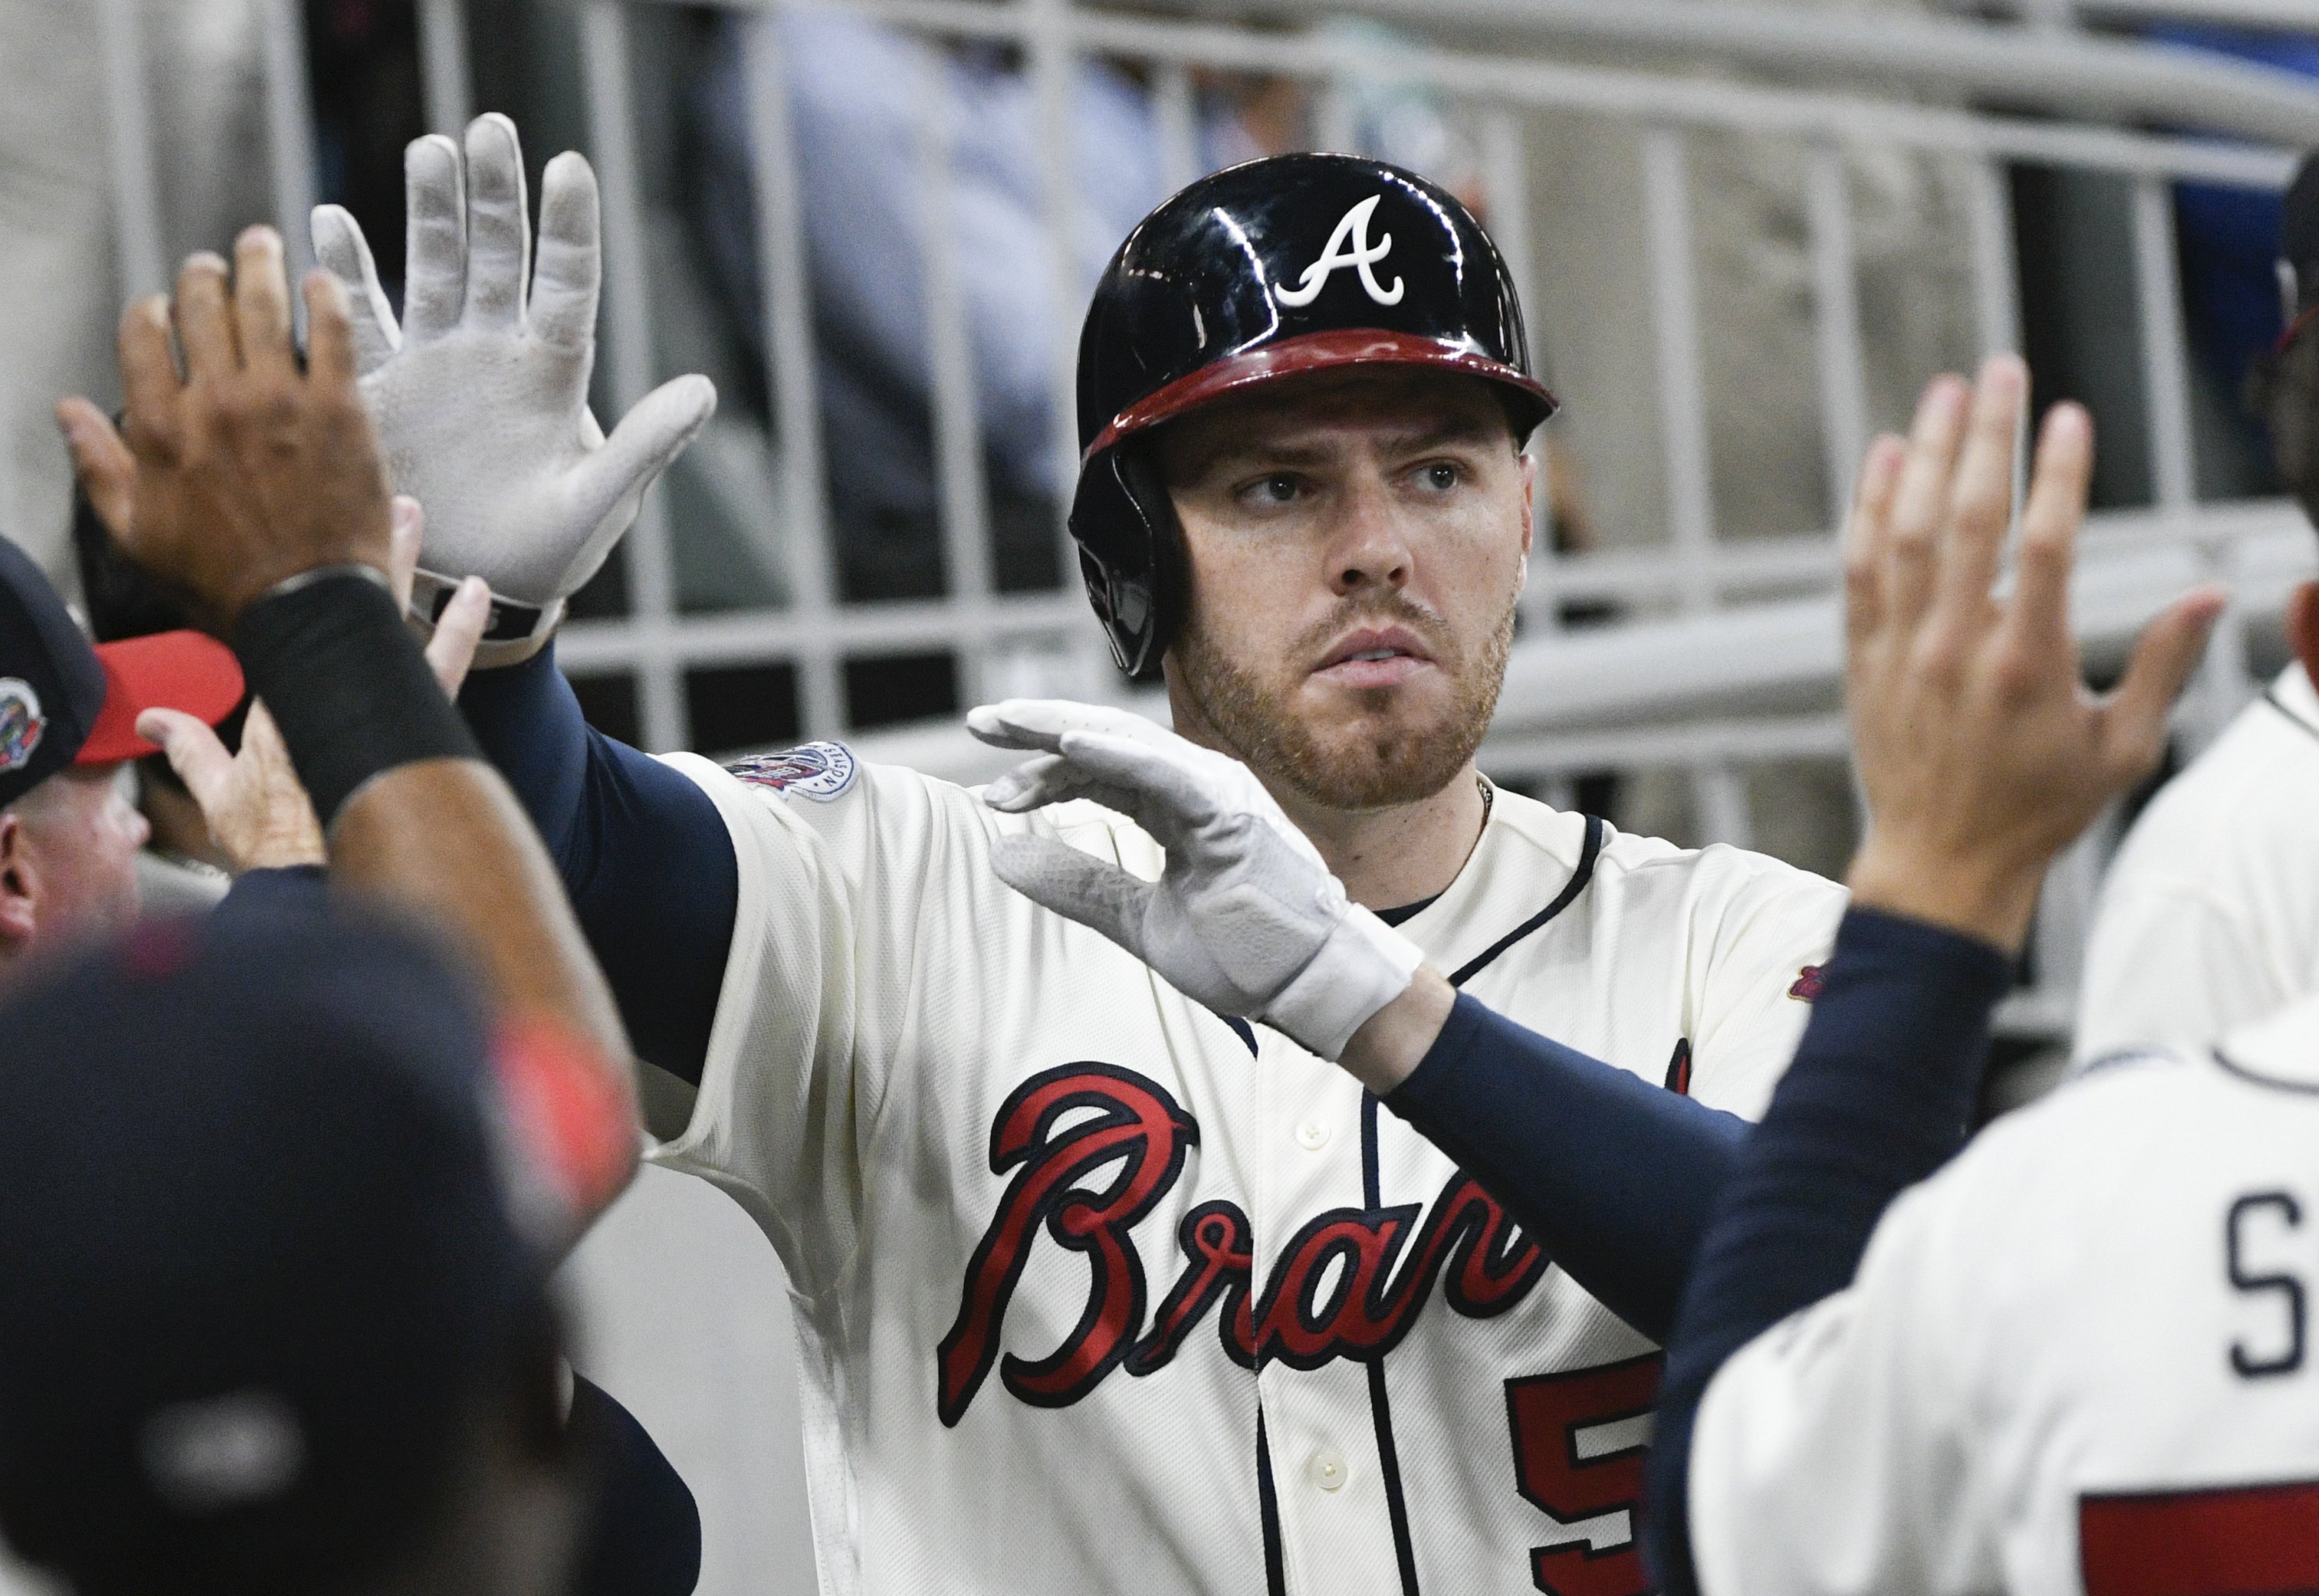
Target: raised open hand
column 1982, row 753
column 481, row 394
column 239, row 471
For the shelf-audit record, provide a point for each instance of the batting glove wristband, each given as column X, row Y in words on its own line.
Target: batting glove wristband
column 481, row 393
column 1246, row 918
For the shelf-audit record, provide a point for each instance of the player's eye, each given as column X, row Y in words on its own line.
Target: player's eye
column 1280, row 488
column 1440, row 476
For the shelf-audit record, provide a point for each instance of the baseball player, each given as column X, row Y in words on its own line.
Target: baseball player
column 2074, row 1360
column 1102, row 1285
column 2209, row 916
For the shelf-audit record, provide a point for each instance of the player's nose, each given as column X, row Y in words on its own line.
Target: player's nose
column 1372, row 543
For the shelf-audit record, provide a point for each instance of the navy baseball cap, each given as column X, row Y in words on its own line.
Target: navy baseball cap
column 279, row 1212
column 64, row 701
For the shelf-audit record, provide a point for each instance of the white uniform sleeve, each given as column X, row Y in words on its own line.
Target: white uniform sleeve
column 1829, row 1455
column 1761, row 944
column 833, row 878
column 2170, row 965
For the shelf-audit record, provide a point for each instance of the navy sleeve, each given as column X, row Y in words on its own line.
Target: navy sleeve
column 643, row 853
column 1613, row 1176
column 1880, row 1095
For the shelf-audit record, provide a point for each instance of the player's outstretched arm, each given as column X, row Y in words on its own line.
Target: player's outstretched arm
column 257, row 490
column 1613, row 1174
column 1983, row 755
column 480, row 396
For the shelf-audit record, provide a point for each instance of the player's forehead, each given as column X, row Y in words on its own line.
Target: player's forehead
column 1329, row 414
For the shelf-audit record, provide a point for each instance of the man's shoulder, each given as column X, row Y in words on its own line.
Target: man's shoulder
column 2250, row 792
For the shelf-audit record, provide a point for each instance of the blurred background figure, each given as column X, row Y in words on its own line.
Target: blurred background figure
column 91, row 208
column 278, row 1318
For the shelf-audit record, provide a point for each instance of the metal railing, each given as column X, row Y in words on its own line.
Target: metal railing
column 1624, row 697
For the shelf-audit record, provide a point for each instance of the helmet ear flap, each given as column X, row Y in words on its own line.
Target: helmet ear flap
column 1131, row 556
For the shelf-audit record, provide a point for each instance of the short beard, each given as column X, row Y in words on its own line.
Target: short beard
column 1380, row 772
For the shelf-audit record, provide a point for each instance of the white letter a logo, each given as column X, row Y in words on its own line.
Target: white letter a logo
column 1348, row 246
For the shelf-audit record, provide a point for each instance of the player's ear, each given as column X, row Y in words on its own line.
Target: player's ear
column 2302, row 628
column 1529, row 458
column 19, row 886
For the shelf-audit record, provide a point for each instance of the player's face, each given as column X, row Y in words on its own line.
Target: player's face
column 1356, row 542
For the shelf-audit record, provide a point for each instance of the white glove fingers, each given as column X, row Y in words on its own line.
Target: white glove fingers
column 571, row 254
column 345, row 253
column 1169, row 782
column 499, row 224
column 1041, row 722
column 1052, row 778
column 1077, row 886
column 640, row 448
column 1030, row 785
column 434, row 251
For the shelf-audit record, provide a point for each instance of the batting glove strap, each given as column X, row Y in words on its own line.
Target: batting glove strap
column 1364, row 965
column 514, row 633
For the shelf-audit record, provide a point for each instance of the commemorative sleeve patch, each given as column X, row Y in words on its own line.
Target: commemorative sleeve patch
column 818, row 771
column 20, row 724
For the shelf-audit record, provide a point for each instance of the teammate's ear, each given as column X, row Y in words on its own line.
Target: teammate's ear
column 19, row 913
column 2302, row 628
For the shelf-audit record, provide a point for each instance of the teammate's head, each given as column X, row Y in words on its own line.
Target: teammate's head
column 276, row 1233
column 1303, row 394
column 68, row 830
column 2286, row 385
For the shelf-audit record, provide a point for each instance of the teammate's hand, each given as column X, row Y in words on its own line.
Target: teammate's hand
column 1982, row 753
column 240, row 471
column 1246, row 918
column 256, row 810
column 481, row 395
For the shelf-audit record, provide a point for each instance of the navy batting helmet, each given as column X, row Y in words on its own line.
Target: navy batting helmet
column 1269, row 269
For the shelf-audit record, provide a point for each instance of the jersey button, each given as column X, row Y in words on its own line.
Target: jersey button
column 1312, row 1135
column 1328, row 1469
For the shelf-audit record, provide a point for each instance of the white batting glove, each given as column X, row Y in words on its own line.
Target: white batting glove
column 1246, row 918
column 481, row 398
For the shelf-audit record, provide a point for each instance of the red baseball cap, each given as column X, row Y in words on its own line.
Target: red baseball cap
column 187, row 671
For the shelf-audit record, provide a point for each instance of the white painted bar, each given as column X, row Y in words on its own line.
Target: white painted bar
column 1996, row 284
column 957, row 431
column 1836, row 323
column 1682, row 395
column 1052, row 42
column 785, row 286
column 449, row 81
column 1176, row 108
column 128, row 150
column 629, row 358
column 290, row 137
column 1505, row 186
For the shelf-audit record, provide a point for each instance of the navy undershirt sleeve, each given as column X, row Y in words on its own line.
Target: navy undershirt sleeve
column 1880, row 1095
column 1613, row 1176
column 643, row 852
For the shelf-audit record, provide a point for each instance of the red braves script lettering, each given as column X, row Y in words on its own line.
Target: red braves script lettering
column 1389, row 1259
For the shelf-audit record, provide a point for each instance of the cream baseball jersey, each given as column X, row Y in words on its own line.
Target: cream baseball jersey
column 1100, row 1291
column 2076, row 1360
column 2209, row 916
